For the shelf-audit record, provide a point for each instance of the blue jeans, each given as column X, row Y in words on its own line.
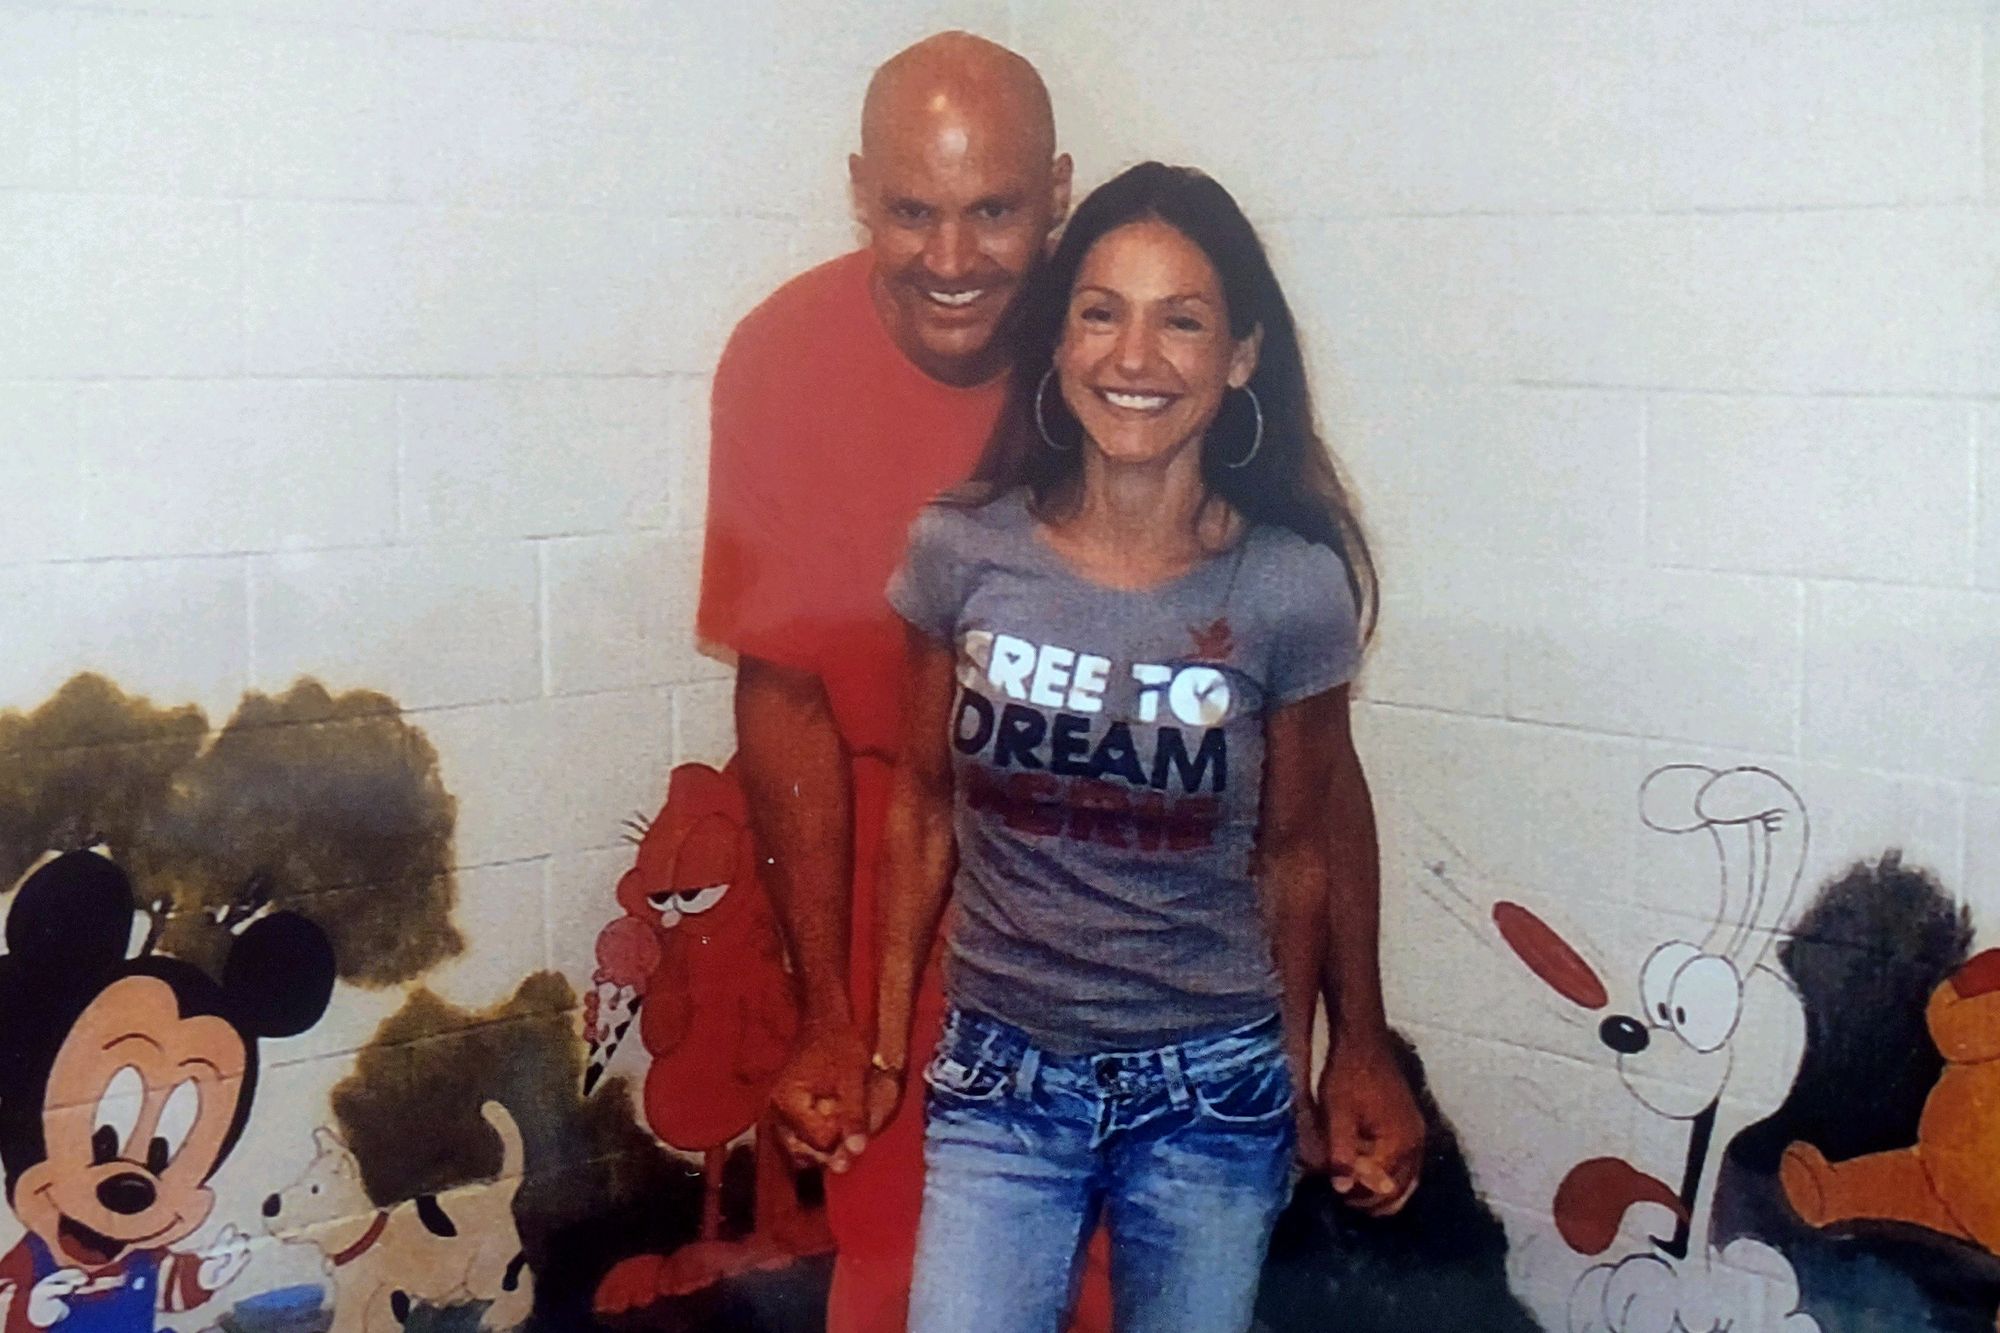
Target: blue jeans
column 1184, row 1150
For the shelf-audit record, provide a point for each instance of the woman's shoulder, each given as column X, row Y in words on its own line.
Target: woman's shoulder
column 1277, row 550
column 968, row 517
column 1293, row 577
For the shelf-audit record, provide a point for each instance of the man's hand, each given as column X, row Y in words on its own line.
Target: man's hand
column 1374, row 1131
column 818, row 1096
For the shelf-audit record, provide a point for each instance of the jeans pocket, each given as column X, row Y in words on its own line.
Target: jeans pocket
column 1253, row 1093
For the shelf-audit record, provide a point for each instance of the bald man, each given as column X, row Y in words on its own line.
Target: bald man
column 851, row 396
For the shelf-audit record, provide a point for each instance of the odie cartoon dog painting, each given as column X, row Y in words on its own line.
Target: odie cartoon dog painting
column 1713, row 1045
column 124, row 1084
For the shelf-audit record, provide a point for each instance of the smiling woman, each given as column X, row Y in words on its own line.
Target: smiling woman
column 1128, row 763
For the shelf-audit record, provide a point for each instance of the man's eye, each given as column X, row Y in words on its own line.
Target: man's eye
column 994, row 212
column 1185, row 324
column 908, row 212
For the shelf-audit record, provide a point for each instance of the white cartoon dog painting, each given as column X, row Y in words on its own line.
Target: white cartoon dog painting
column 436, row 1250
column 1708, row 1042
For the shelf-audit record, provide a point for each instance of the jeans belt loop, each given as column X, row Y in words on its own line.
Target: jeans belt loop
column 1024, row 1073
column 1177, row 1088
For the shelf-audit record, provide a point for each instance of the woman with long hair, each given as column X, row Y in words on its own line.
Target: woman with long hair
column 1128, row 766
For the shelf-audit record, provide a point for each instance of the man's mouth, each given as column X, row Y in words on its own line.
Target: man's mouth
column 91, row 1249
column 954, row 300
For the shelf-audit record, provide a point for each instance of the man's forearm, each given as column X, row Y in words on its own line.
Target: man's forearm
column 799, row 789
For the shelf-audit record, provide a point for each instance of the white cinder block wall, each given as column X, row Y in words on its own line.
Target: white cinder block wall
column 1663, row 341
column 369, row 340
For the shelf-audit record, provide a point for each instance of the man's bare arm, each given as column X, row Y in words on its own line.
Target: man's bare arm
column 796, row 779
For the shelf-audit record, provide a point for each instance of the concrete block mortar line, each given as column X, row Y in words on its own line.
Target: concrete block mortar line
column 364, row 377
column 1802, row 715
column 1647, row 212
column 543, row 636
column 1974, row 482
column 1859, row 580
column 1986, row 40
column 242, row 286
column 1701, row 391
column 1646, row 481
column 401, row 464
column 250, row 622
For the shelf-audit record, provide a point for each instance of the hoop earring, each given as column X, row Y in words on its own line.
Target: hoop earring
column 1040, row 424
column 1256, row 440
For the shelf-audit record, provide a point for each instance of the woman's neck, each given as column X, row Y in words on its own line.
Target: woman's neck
column 1135, row 525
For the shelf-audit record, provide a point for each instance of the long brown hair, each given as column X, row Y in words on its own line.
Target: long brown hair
column 1291, row 481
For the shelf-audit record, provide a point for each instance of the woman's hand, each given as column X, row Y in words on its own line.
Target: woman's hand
column 884, row 1094
column 1374, row 1129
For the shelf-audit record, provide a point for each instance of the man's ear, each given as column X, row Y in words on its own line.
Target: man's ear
column 1061, row 171
column 1243, row 360
column 857, row 188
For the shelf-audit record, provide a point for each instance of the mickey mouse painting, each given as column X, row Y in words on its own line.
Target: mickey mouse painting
column 124, row 1084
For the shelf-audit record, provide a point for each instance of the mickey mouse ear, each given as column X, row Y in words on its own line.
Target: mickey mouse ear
column 279, row 977
column 73, row 909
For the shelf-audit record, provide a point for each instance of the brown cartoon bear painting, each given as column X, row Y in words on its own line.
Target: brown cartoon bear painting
column 1946, row 1182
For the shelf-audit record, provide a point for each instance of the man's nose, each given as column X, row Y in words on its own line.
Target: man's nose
column 950, row 250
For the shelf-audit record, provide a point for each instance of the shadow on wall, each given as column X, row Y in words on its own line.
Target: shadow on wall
column 597, row 1188
column 1868, row 957
column 328, row 805
column 1439, row 1264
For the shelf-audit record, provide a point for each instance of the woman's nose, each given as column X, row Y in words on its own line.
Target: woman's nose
column 1134, row 351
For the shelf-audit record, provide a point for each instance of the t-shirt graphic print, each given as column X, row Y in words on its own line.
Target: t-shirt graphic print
column 1107, row 751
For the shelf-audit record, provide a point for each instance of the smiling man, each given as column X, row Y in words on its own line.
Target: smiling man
column 846, row 400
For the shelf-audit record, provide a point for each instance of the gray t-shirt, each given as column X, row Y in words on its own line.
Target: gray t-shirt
column 1108, row 756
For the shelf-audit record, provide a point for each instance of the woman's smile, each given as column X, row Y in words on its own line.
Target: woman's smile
column 1146, row 352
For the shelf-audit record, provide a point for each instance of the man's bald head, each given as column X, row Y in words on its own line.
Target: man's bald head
column 959, row 185
column 957, row 79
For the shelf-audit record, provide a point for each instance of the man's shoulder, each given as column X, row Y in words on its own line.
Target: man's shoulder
column 817, row 304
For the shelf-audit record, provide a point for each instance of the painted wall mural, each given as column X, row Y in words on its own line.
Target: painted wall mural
column 1820, row 1073
column 1801, row 1137
column 126, row 1082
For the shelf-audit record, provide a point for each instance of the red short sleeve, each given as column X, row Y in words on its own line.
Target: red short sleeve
column 753, row 600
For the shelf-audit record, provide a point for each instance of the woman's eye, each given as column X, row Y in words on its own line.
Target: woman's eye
column 1185, row 324
column 1094, row 314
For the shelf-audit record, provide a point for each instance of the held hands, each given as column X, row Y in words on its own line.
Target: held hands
column 884, row 1094
column 817, row 1098
column 1374, row 1142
